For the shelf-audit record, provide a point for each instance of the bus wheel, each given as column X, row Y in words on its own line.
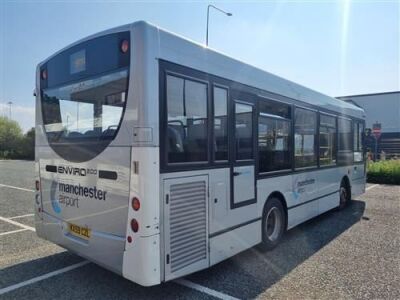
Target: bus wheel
column 273, row 224
column 344, row 194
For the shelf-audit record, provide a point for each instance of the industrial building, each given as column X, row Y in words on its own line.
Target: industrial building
column 382, row 111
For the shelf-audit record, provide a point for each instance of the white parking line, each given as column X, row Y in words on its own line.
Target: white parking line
column 371, row 187
column 21, row 216
column 16, row 188
column 17, row 224
column 42, row 277
column 183, row 282
column 13, row 231
column 204, row 289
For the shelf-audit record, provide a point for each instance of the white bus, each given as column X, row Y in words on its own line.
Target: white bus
column 157, row 157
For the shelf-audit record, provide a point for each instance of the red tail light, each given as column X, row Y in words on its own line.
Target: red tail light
column 135, row 204
column 129, row 239
column 134, row 225
column 44, row 74
column 37, row 185
column 124, row 46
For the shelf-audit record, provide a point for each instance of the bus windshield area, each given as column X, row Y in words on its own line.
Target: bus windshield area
column 88, row 110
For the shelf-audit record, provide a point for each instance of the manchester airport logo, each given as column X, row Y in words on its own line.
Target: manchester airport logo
column 54, row 201
column 299, row 187
column 70, row 195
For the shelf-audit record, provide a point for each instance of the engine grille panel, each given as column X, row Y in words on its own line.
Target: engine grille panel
column 187, row 224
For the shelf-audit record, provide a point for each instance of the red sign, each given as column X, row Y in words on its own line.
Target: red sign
column 376, row 130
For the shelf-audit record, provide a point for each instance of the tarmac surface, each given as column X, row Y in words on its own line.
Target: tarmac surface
column 352, row 254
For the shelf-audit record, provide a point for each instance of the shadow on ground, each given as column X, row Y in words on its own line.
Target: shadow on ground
column 244, row 276
column 86, row 282
column 252, row 272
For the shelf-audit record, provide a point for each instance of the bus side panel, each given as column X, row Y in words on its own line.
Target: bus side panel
column 297, row 189
column 185, row 230
column 307, row 193
column 222, row 215
column 231, row 230
column 232, row 242
column 358, row 180
column 328, row 181
column 357, row 187
column 313, row 193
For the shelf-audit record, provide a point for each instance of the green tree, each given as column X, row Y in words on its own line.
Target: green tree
column 27, row 150
column 10, row 138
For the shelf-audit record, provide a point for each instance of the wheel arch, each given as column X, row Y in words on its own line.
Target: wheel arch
column 346, row 181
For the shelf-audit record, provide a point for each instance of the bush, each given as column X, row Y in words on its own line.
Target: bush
column 13, row 143
column 386, row 171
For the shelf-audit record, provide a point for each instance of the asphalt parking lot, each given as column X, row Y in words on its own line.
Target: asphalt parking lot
column 354, row 253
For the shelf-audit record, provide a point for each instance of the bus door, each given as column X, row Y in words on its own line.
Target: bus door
column 243, row 150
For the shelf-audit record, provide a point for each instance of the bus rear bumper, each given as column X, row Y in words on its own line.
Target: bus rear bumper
column 103, row 249
column 141, row 260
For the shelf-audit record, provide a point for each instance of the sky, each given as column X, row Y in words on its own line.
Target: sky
column 339, row 48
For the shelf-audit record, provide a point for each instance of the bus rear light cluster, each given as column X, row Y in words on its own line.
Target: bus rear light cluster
column 44, row 74
column 135, row 204
column 134, row 225
column 129, row 239
column 124, row 46
column 37, row 185
column 37, row 200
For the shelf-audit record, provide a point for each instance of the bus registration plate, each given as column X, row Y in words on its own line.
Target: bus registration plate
column 82, row 232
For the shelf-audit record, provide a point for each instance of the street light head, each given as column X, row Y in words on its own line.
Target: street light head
column 208, row 14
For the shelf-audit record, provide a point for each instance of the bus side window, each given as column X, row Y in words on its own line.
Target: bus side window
column 345, row 141
column 305, row 138
column 220, row 124
column 358, row 147
column 274, row 135
column 187, row 139
column 244, row 131
column 327, row 140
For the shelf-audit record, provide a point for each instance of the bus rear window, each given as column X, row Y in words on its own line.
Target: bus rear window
column 87, row 110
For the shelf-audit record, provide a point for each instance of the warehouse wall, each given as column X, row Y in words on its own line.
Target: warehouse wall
column 382, row 108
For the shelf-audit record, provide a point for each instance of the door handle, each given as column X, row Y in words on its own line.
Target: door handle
column 236, row 173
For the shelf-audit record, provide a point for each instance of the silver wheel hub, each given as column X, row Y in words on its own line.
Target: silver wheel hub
column 273, row 224
column 343, row 195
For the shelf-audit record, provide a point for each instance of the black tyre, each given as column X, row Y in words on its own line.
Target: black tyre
column 344, row 194
column 273, row 224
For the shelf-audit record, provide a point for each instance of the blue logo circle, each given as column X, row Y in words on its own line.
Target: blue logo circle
column 54, row 202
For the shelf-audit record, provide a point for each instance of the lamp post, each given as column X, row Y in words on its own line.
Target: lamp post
column 9, row 103
column 377, row 131
column 208, row 17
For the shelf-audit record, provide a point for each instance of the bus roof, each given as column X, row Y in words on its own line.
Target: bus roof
column 180, row 50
